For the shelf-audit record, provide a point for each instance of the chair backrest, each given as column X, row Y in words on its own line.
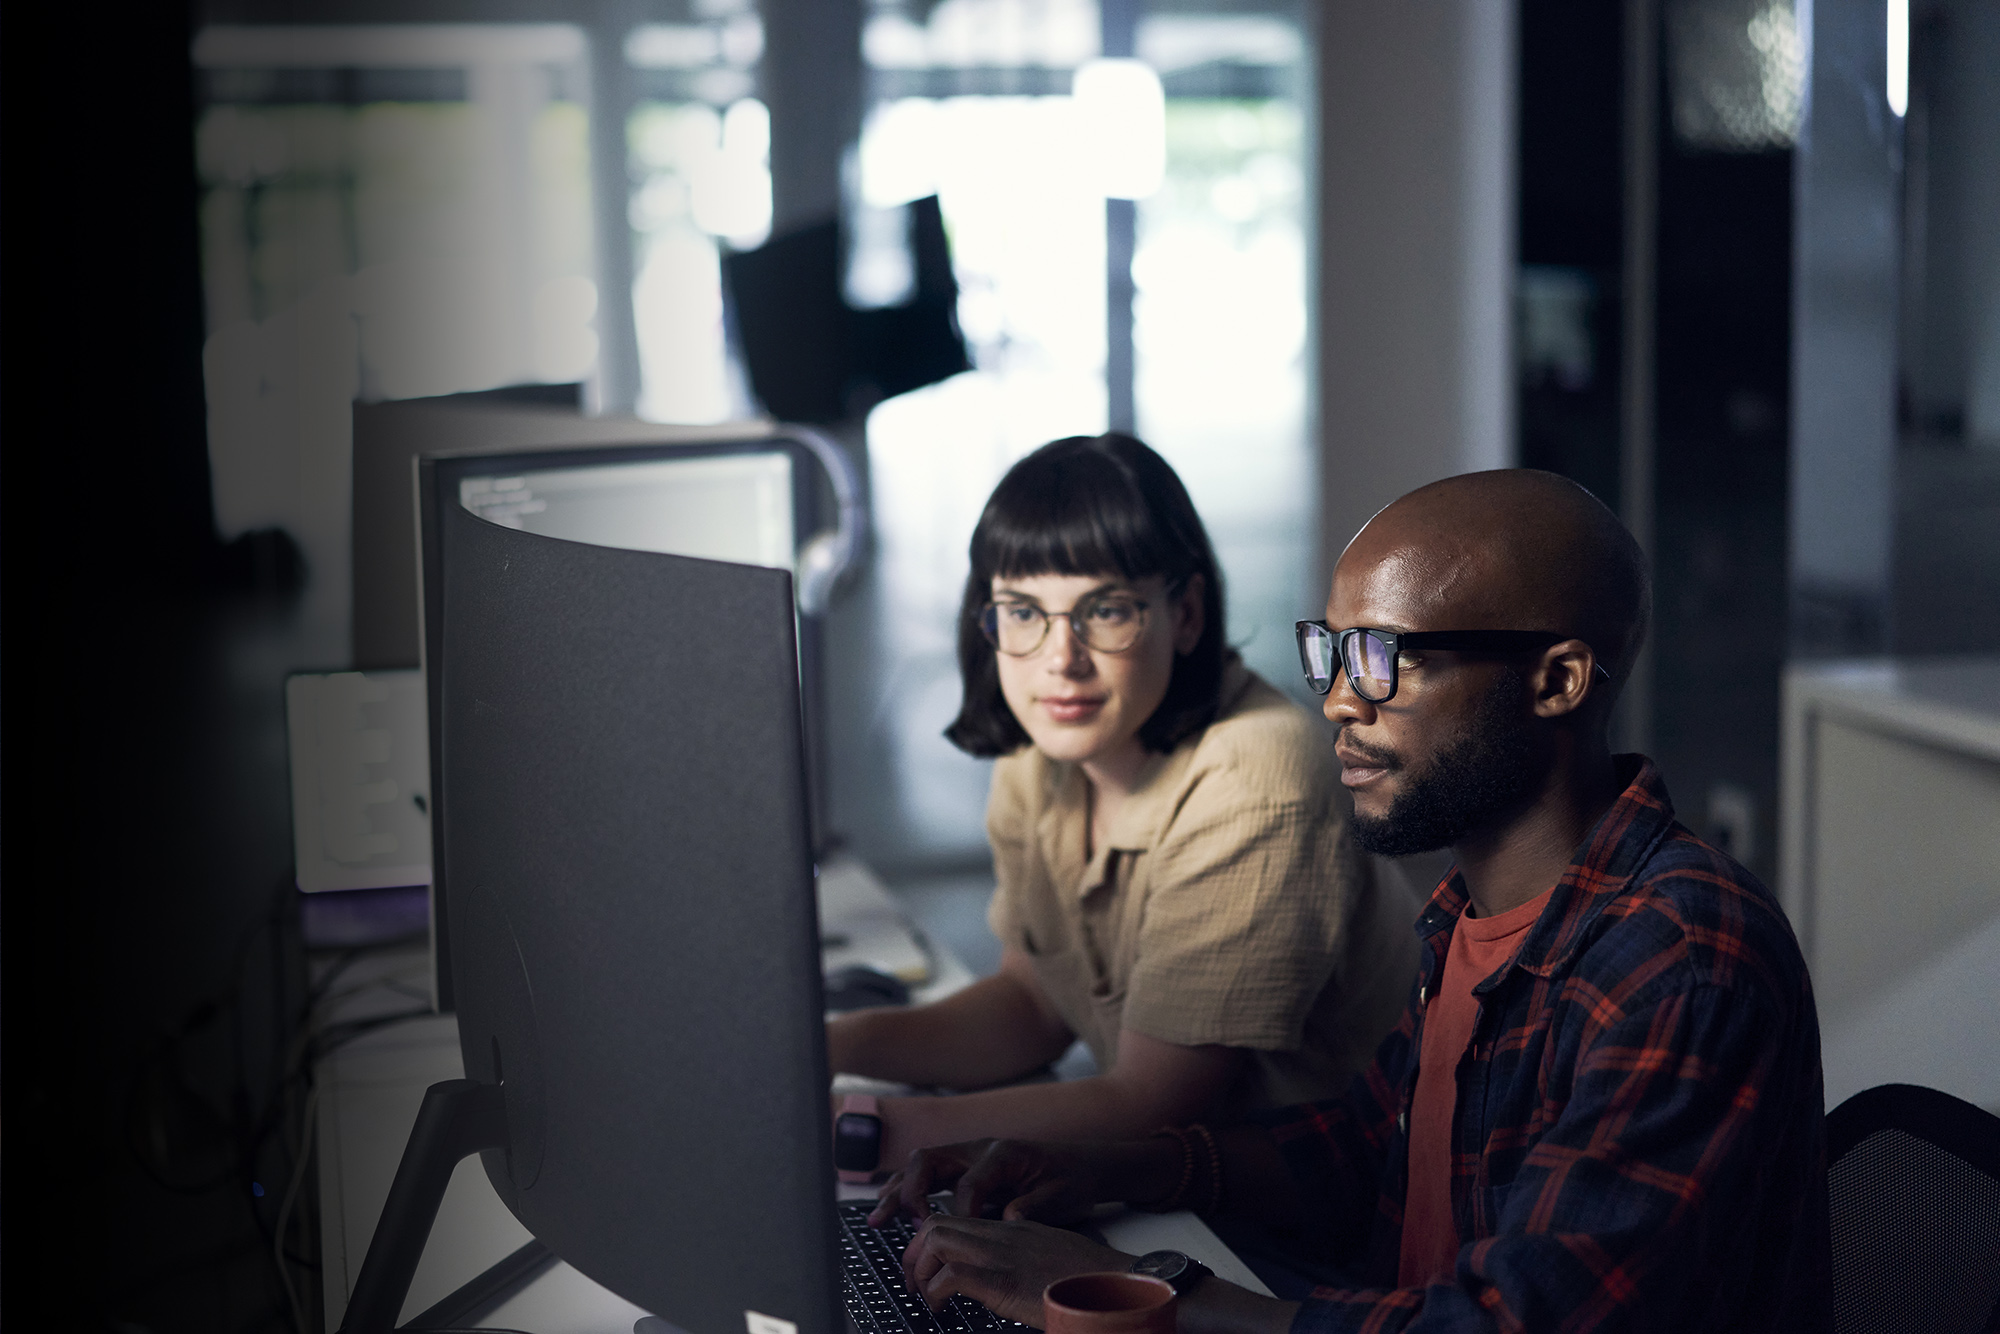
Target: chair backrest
column 1913, row 1178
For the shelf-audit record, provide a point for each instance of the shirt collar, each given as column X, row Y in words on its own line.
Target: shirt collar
column 1610, row 855
column 1142, row 820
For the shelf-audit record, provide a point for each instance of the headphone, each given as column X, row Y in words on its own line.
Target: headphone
column 828, row 555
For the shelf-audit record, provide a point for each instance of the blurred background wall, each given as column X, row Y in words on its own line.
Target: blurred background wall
column 1723, row 261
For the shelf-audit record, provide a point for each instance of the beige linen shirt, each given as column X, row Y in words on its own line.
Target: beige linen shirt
column 1228, row 905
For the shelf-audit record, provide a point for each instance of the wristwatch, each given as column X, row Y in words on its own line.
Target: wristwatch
column 857, row 1138
column 1180, row 1271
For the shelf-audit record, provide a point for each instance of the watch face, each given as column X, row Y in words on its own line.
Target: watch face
column 1168, row 1265
column 857, row 1142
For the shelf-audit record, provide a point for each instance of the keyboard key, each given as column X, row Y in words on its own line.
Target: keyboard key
column 879, row 1299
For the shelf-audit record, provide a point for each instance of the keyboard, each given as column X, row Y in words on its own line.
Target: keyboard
column 878, row 1299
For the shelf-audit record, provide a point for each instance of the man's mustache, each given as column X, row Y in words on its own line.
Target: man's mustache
column 1374, row 756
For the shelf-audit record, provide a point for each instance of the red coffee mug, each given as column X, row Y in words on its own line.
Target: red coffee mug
column 1108, row 1304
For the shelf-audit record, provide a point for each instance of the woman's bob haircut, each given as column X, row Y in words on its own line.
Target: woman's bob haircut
column 1089, row 504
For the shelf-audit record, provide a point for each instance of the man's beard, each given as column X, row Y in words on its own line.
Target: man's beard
column 1493, row 769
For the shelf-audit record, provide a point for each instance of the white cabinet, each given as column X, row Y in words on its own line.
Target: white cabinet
column 1890, row 867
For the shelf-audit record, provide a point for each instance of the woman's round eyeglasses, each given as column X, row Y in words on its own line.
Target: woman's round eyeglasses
column 1109, row 623
column 1369, row 656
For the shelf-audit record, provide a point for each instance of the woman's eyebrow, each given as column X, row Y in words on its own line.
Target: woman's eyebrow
column 1113, row 586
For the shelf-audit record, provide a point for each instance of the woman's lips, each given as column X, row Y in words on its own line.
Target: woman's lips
column 1077, row 710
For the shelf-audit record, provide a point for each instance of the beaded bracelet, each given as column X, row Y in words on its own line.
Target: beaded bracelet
column 1209, row 1158
column 1178, row 1196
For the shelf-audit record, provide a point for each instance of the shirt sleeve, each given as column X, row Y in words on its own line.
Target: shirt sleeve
column 1336, row 1151
column 1243, row 920
column 1645, row 1206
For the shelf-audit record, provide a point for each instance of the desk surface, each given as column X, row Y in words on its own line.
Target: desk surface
column 371, row 1088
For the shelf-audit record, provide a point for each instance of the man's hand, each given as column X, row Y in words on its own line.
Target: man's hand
column 1055, row 1183
column 1002, row 1265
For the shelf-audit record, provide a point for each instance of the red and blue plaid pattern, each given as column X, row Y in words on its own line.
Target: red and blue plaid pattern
column 1638, row 1142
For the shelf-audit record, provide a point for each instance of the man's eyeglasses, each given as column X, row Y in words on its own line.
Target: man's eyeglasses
column 1369, row 656
column 1107, row 624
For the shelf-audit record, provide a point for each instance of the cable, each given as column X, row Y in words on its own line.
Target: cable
column 285, row 1209
column 315, row 1047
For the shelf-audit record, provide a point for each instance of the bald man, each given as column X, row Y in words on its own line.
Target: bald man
column 1602, row 1108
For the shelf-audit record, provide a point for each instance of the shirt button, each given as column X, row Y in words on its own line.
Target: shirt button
column 1424, row 994
column 1403, row 1123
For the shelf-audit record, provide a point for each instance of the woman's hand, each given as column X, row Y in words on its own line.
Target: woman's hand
column 1002, row 1265
column 1055, row 1183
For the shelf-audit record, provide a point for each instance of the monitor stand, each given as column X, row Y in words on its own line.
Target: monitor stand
column 459, row 1117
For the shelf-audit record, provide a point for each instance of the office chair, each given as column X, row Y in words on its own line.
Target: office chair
column 1913, row 1177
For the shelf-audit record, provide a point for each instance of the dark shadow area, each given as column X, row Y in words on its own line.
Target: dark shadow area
column 1571, row 239
column 1719, row 620
column 150, row 967
column 1723, row 353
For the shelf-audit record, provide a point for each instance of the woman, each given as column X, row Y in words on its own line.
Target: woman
column 1176, row 883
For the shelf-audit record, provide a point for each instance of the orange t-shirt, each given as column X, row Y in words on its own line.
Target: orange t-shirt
column 1479, row 946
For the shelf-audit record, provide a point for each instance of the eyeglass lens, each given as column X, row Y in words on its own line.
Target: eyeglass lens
column 1371, row 667
column 1109, row 626
column 1316, row 649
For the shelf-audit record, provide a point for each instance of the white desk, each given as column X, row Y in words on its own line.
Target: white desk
column 371, row 1088
column 1890, row 867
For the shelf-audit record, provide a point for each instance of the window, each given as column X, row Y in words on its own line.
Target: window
column 699, row 142
column 974, row 103
column 386, row 212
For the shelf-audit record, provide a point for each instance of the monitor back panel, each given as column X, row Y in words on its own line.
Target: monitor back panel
column 622, row 849
column 388, row 437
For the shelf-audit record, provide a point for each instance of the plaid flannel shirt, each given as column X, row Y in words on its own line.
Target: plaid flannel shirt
column 1639, row 1137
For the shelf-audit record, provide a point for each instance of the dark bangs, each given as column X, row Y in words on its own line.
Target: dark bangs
column 1089, row 505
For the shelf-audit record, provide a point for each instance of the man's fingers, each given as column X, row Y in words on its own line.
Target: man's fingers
column 1043, row 1204
column 908, row 1191
column 942, row 1240
column 914, row 1183
column 888, row 1201
column 997, row 1175
column 953, row 1279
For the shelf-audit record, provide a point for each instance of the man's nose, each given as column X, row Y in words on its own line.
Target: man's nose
column 1344, row 706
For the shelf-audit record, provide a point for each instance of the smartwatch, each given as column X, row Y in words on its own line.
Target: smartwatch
column 857, row 1138
column 1180, row 1271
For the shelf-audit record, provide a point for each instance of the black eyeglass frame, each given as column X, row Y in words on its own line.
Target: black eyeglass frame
column 1461, row 641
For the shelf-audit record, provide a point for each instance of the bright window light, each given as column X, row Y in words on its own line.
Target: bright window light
column 1123, row 111
column 1899, row 56
column 672, row 46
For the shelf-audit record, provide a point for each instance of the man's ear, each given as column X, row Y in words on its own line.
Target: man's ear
column 1564, row 678
column 1190, row 614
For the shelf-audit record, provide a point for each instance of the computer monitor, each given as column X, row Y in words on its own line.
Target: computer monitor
column 735, row 507
column 621, row 837
column 723, row 499
column 388, row 437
